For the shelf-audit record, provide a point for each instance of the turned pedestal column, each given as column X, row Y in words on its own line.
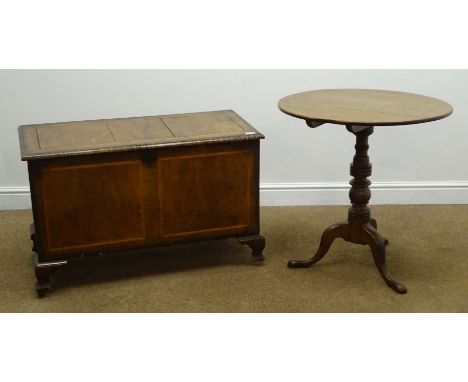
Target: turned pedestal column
column 360, row 228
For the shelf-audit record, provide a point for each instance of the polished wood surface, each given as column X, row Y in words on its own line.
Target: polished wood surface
column 359, row 110
column 183, row 185
column 126, row 134
column 114, row 201
column 364, row 107
column 89, row 204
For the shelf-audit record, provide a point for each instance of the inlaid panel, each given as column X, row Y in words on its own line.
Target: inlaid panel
column 138, row 129
column 202, row 124
column 87, row 206
column 205, row 192
column 62, row 135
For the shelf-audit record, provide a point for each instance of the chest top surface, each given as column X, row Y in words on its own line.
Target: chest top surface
column 126, row 134
column 364, row 107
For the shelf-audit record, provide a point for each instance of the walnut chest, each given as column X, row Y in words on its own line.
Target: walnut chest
column 120, row 184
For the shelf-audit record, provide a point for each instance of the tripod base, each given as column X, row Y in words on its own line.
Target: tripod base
column 358, row 233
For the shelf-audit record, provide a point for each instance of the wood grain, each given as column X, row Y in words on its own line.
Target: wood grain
column 54, row 140
column 138, row 129
column 89, row 207
column 194, row 203
column 364, row 107
column 69, row 135
column 202, row 124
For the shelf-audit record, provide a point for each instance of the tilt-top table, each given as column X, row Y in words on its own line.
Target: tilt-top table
column 360, row 110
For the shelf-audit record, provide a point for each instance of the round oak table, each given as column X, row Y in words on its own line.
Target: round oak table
column 360, row 110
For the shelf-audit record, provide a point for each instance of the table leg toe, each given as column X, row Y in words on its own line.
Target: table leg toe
column 299, row 263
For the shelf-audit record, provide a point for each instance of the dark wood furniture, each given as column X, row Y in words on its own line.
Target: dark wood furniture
column 360, row 110
column 129, row 183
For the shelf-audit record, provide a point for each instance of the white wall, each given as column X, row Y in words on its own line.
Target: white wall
column 425, row 163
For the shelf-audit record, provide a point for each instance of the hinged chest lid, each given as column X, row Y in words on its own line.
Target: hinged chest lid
column 127, row 134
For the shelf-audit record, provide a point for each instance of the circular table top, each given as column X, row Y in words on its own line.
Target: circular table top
column 364, row 107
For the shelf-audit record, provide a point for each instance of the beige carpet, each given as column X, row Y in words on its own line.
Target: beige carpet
column 428, row 252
